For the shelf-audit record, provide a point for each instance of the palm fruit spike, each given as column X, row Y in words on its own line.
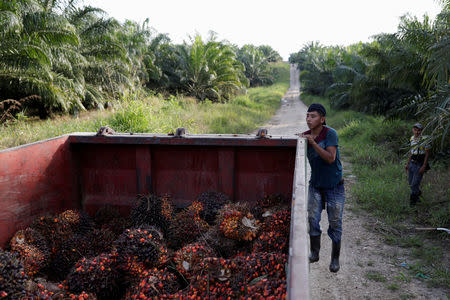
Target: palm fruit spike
column 12, row 276
column 225, row 247
column 148, row 212
column 32, row 258
column 186, row 227
column 105, row 215
column 32, row 248
column 189, row 258
column 31, row 237
column 167, row 208
column 142, row 244
column 272, row 200
column 265, row 289
column 71, row 250
column 278, row 222
column 40, row 288
column 272, row 241
column 212, row 202
column 53, row 230
column 156, row 284
column 77, row 220
column 97, row 275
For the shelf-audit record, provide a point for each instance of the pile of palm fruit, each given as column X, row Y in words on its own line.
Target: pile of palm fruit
column 212, row 249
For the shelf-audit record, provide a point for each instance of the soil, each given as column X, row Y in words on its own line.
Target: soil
column 370, row 269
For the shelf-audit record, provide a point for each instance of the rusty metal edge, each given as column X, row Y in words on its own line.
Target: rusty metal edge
column 188, row 139
column 298, row 265
column 158, row 138
column 34, row 143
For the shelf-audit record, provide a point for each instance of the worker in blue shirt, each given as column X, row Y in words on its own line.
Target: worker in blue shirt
column 326, row 185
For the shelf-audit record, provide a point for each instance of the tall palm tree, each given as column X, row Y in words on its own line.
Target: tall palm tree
column 209, row 70
column 256, row 65
column 33, row 43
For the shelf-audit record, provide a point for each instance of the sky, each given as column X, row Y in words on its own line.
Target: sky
column 285, row 25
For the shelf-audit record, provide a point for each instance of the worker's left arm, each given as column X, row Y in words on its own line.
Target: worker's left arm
column 425, row 162
column 328, row 154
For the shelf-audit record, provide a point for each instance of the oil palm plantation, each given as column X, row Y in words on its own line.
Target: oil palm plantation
column 36, row 46
column 210, row 69
column 256, row 65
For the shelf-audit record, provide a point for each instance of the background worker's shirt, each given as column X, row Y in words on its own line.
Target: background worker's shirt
column 323, row 174
column 418, row 147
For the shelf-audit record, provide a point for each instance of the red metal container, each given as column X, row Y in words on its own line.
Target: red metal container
column 86, row 171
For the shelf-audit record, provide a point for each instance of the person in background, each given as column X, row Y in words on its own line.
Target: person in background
column 326, row 185
column 417, row 163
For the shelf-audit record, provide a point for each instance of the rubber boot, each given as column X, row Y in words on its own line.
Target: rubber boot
column 413, row 199
column 315, row 248
column 335, row 252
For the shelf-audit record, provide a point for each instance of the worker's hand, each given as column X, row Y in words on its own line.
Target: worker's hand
column 422, row 170
column 407, row 166
column 309, row 137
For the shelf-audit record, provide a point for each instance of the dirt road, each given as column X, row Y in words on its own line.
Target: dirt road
column 370, row 269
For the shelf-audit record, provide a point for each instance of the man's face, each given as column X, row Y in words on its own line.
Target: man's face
column 417, row 131
column 314, row 119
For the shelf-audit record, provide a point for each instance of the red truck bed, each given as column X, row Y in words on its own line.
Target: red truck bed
column 85, row 171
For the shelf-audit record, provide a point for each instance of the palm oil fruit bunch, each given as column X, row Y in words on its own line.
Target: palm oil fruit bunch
column 53, row 230
column 101, row 241
column 236, row 222
column 105, row 214
column 108, row 217
column 252, row 266
column 272, row 241
column 71, row 250
column 212, row 202
column 32, row 249
column 32, row 258
column 212, row 283
column 77, row 221
column 270, row 289
column 12, row 276
column 272, row 200
column 148, row 211
column 188, row 259
column 141, row 244
column 156, row 284
column 186, row 227
column 97, row 275
column 224, row 246
column 269, row 204
column 278, row 222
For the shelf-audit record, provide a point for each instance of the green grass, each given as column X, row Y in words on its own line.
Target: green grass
column 377, row 150
column 375, row 276
column 140, row 112
column 393, row 287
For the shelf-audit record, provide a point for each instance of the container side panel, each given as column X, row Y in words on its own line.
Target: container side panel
column 260, row 172
column 34, row 180
column 108, row 176
column 186, row 172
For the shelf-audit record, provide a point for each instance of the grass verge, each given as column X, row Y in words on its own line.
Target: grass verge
column 377, row 149
column 139, row 112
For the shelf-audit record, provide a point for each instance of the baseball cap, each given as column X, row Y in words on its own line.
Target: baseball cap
column 418, row 126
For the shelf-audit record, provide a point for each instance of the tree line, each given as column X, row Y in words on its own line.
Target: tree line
column 404, row 74
column 57, row 56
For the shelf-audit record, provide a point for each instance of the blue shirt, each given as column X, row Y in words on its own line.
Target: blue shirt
column 323, row 174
